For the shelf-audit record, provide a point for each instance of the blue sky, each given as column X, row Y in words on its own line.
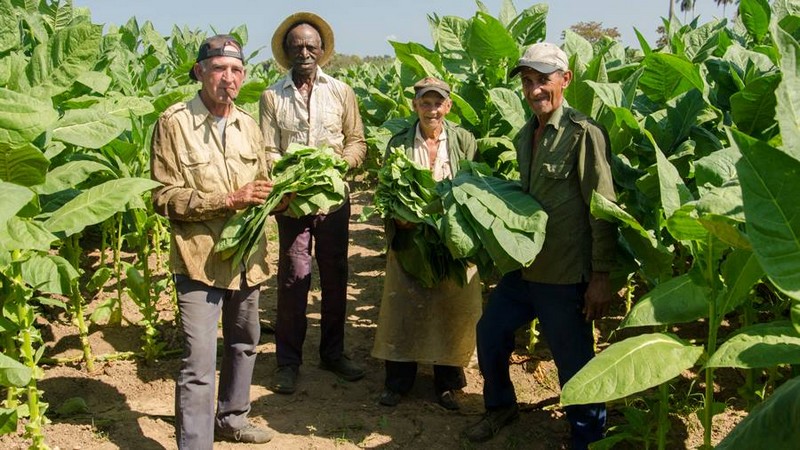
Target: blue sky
column 363, row 27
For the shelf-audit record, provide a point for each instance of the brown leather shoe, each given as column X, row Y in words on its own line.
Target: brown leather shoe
column 491, row 424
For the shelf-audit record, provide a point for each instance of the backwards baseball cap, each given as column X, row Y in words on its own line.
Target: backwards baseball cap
column 216, row 46
column 431, row 84
column 542, row 57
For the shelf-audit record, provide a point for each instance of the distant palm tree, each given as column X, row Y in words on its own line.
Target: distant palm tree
column 724, row 4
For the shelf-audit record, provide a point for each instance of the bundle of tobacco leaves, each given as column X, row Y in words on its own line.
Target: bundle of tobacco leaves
column 313, row 174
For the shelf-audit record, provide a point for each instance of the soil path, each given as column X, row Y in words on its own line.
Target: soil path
column 129, row 405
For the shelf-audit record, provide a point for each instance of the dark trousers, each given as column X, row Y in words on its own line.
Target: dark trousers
column 296, row 238
column 400, row 377
column 514, row 303
column 200, row 306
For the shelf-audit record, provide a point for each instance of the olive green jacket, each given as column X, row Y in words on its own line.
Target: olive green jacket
column 460, row 146
column 570, row 162
column 460, row 143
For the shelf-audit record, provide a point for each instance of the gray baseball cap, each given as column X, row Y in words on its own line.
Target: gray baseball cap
column 542, row 57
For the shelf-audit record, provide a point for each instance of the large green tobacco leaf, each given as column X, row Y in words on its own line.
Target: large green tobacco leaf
column 666, row 76
column 716, row 168
column 97, row 204
column 70, row 52
column 740, row 271
column 759, row 346
column 530, row 25
column 21, row 234
column 656, row 260
column 48, row 273
column 22, row 117
column 686, row 113
column 13, row 373
column 24, row 165
column 70, row 175
column 509, row 106
column 772, row 424
column 753, row 108
column 787, row 110
column 628, row 367
column 678, row 300
column 488, row 40
column 9, row 31
column 754, row 14
column 674, row 192
column 406, row 54
column 770, row 182
column 14, row 198
column 448, row 33
column 90, row 128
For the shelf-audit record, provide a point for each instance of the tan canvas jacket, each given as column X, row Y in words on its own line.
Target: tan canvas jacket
column 197, row 173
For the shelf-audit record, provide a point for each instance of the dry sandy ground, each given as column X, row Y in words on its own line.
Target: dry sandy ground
column 130, row 404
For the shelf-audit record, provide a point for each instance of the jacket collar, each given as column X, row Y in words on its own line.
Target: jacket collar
column 200, row 113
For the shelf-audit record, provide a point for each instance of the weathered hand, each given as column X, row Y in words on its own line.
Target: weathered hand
column 253, row 193
column 597, row 298
column 283, row 205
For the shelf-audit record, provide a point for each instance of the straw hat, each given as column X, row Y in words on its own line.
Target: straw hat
column 325, row 33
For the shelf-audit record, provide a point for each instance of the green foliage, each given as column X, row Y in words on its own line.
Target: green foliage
column 772, row 424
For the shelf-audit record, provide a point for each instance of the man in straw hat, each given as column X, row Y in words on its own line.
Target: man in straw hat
column 208, row 155
column 311, row 108
column 563, row 157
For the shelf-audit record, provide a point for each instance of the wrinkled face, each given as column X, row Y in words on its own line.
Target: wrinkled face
column 221, row 78
column 303, row 45
column 544, row 92
column 431, row 109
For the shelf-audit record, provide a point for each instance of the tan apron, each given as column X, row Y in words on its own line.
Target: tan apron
column 430, row 326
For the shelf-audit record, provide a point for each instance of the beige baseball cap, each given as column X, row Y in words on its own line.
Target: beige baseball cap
column 542, row 57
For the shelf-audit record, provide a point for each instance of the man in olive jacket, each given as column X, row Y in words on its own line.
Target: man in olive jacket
column 563, row 157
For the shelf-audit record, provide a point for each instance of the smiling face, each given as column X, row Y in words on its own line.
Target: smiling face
column 221, row 78
column 431, row 109
column 544, row 92
column 303, row 45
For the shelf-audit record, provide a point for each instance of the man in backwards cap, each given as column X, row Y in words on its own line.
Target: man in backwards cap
column 563, row 156
column 208, row 155
column 311, row 108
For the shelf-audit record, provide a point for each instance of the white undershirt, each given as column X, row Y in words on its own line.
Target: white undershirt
column 441, row 166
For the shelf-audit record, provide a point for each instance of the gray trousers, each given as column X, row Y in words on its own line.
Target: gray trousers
column 200, row 306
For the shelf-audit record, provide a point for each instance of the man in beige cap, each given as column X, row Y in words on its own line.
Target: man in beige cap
column 309, row 107
column 563, row 157
column 208, row 155
column 418, row 324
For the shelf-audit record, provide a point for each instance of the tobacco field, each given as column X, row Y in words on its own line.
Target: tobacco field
column 705, row 134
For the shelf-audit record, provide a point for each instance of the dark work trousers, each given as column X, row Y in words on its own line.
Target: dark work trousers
column 400, row 377
column 514, row 303
column 328, row 233
column 200, row 306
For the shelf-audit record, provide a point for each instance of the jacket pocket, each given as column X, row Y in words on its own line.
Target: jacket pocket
column 557, row 170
